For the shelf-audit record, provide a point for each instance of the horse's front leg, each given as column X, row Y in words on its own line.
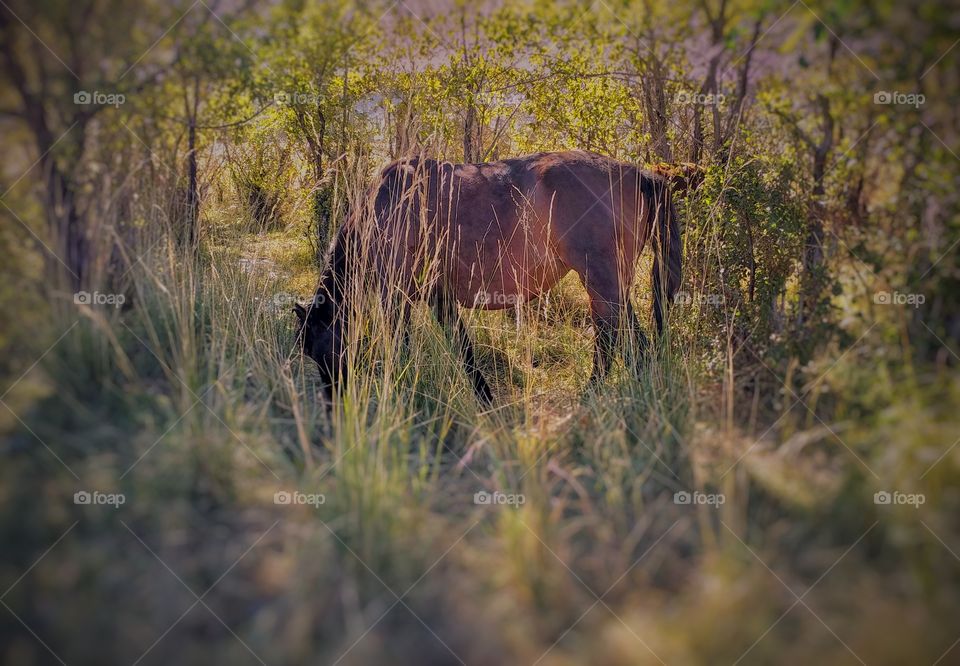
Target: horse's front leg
column 445, row 309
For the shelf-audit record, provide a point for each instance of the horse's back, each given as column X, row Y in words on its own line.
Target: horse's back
column 513, row 227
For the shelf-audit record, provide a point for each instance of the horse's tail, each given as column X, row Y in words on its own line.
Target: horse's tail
column 667, row 254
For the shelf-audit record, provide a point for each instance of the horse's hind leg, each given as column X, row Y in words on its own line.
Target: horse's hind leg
column 636, row 338
column 611, row 319
column 606, row 313
column 445, row 309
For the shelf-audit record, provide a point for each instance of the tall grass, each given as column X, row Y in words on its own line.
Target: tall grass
column 194, row 402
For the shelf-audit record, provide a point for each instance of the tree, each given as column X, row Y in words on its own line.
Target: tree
column 61, row 94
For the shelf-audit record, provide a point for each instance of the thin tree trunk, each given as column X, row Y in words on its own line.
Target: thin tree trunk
column 813, row 249
column 193, row 195
column 191, row 233
column 66, row 223
column 470, row 151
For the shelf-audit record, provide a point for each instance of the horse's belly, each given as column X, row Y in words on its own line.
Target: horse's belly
column 507, row 276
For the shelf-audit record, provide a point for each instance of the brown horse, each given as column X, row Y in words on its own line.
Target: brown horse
column 490, row 235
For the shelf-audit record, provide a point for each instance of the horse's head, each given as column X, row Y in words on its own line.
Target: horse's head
column 321, row 336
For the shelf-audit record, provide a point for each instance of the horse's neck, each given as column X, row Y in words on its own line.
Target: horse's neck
column 333, row 279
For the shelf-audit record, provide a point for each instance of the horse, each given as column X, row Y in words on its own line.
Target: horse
column 490, row 235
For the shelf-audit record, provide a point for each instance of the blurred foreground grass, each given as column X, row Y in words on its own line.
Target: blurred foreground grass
column 685, row 515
